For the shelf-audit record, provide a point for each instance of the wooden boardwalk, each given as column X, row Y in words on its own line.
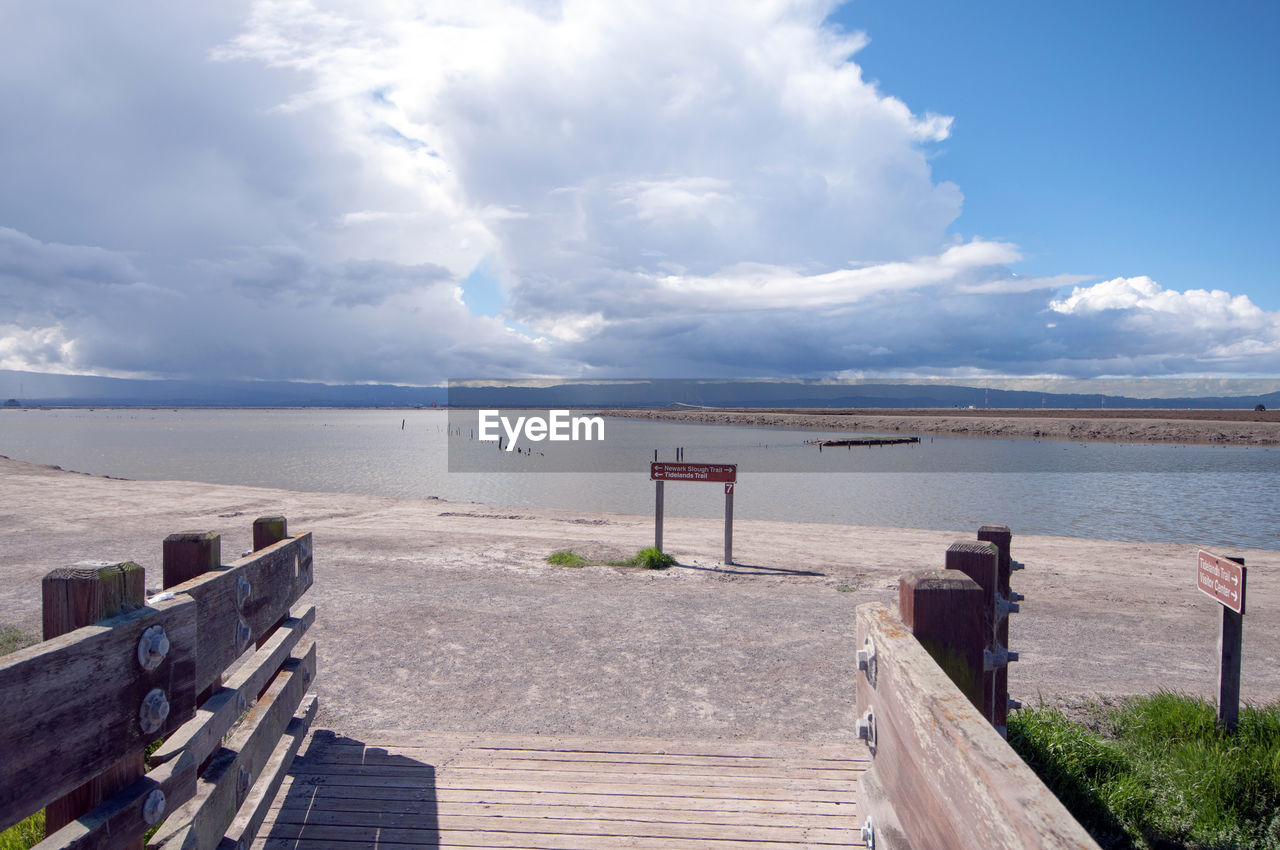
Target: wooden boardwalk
column 427, row 790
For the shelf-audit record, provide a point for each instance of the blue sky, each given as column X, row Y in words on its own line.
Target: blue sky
column 1107, row 138
column 407, row 192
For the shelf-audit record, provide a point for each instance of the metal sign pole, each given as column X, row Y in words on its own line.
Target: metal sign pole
column 728, row 523
column 657, row 516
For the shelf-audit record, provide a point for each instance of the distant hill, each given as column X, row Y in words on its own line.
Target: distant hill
column 36, row 389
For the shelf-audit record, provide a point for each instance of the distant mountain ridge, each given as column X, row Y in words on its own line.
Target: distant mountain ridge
column 36, row 389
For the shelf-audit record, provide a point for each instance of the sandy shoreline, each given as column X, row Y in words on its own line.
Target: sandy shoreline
column 443, row 616
column 1225, row 427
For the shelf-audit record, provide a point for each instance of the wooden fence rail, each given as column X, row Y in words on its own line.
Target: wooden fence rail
column 81, row 708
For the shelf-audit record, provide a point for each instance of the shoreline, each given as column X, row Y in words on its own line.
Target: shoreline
column 445, row 616
column 1228, row 427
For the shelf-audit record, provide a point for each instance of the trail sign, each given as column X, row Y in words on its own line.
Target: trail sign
column 727, row 472
column 1222, row 579
column 660, row 473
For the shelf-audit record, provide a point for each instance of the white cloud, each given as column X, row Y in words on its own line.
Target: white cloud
column 300, row 188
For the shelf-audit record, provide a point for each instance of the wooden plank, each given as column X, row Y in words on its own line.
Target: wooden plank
column 70, row 705
column 445, row 793
column 407, row 740
column 476, row 774
column 628, row 764
column 593, row 787
column 359, row 811
column 228, row 622
column 203, row 820
column 337, row 836
column 946, row 776
column 121, row 819
column 203, row 733
column 254, row 810
column 446, row 820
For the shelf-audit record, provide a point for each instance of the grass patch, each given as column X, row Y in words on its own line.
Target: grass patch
column 648, row 558
column 566, row 559
column 11, row 639
column 1156, row 773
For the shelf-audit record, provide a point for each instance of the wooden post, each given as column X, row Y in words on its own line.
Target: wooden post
column 186, row 555
column 1230, row 646
column 728, row 524
column 268, row 530
column 79, row 596
column 1002, row 537
column 189, row 554
column 657, row 517
column 944, row 610
column 979, row 561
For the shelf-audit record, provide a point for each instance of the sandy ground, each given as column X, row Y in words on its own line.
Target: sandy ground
column 445, row 617
column 1216, row 427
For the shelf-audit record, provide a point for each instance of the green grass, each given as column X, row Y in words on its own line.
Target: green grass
column 1158, row 774
column 649, row 558
column 29, row 832
column 566, row 559
column 11, row 639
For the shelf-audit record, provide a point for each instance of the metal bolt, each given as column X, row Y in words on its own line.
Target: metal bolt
column 869, row 834
column 1005, row 607
column 153, row 646
column 1014, row 704
column 153, row 711
column 994, row 659
column 242, row 702
column 243, row 633
column 243, row 590
column 1015, row 596
column 1014, row 566
column 866, row 727
column 153, row 808
column 306, row 675
column 242, row 783
column 867, row 660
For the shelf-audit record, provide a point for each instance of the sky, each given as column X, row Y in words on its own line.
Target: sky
column 415, row 192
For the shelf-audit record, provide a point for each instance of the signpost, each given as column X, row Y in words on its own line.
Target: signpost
column 1223, row 579
column 660, row 473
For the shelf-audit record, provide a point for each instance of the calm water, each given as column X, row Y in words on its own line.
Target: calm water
column 1210, row 495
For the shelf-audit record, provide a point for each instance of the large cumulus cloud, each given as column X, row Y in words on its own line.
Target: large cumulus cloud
column 301, row 189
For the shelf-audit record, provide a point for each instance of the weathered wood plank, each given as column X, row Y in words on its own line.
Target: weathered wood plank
column 71, row 705
column 243, row 600
column 121, row 819
column 447, row 794
column 953, row 782
column 337, row 836
column 202, row 734
column 204, row 819
column 446, row 820
column 357, row 811
column 408, row 740
column 254, row 810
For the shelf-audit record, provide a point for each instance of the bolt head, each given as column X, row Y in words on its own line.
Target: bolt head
column 153, row 808
column 154, row 711
column 153, row 646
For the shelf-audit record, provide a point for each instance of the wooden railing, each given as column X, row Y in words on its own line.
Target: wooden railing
column 78, row 712
column 932, row 701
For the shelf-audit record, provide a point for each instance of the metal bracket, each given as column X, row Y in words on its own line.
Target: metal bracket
column 994, row 659
column 867, row 660
column 1005, row 607
column 869, row 833
column 866, row 727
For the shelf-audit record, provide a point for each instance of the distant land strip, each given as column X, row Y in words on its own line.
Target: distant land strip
column 1212, row 427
